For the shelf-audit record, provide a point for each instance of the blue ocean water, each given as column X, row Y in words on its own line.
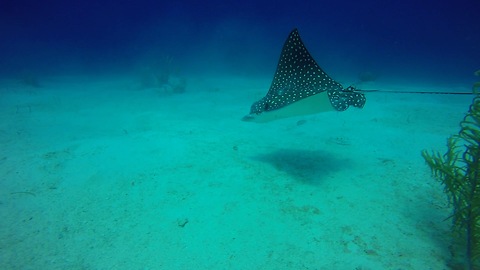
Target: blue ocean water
column 406, row 41
column 122, row 145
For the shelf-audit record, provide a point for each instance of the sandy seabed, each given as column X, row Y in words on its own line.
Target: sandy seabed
column 97, row 174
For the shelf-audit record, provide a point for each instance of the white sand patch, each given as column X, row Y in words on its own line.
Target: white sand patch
column 97, row 175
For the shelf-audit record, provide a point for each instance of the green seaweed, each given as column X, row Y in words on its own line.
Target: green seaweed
column 459, row 171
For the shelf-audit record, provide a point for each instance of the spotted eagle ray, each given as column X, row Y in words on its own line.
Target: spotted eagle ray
column 301, row 87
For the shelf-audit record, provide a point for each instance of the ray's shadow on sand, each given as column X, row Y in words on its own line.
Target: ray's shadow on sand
column 308, row 166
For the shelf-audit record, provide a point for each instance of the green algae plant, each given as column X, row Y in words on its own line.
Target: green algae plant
column 459, row 171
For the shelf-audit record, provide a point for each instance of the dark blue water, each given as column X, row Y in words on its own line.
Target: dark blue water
column 399, row 41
